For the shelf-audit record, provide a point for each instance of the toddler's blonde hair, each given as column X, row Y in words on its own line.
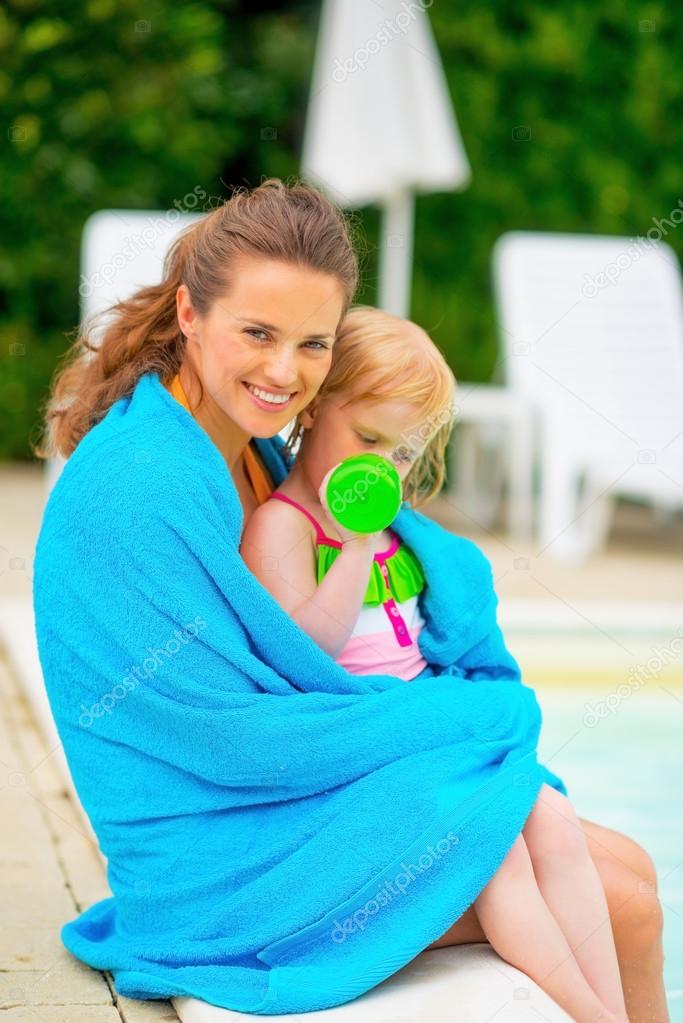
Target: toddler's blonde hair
column 378, row 355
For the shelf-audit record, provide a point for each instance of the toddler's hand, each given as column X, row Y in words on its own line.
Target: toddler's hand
column 344, row 533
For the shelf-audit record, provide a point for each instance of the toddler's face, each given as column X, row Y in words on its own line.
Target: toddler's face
column 335, row 431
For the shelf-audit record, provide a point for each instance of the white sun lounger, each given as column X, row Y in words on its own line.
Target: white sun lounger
column 592, row 338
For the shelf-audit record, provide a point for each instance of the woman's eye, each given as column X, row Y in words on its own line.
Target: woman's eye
column 366, row 440
column 262, row 335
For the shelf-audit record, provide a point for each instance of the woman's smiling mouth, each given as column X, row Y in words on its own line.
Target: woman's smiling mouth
column 266, row 399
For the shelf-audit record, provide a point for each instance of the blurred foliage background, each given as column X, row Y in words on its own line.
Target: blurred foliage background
column 569, row 116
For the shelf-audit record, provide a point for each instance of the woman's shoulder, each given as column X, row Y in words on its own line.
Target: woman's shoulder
column 124, row 473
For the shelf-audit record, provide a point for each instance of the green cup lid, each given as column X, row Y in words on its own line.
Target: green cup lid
column 364, row 493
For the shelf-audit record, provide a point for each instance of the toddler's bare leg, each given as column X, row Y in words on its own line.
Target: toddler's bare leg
column 571, row 887
column 520, row 927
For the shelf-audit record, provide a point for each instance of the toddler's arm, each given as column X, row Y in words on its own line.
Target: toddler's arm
column 278, row 546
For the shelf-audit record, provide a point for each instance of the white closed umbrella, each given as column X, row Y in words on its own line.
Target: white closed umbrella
column 380, row 124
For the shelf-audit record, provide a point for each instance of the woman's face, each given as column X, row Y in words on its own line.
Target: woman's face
column 272, row 331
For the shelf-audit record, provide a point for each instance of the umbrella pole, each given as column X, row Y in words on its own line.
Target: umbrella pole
column 396, row 253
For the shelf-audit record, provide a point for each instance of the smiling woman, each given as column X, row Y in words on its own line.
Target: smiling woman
column 251, row 764
column 244, row 320
column 262, row 351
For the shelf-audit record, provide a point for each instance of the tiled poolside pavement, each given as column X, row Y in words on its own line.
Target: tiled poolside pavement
column 49, row 871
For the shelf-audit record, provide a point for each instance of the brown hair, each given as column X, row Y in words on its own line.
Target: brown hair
column 378, row 355
column 294, row 223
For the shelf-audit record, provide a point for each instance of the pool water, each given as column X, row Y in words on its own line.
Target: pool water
column 622, row 763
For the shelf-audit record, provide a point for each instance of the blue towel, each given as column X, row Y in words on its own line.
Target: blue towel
column 280, row 835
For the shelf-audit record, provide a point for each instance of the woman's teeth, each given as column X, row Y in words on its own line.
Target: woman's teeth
column 273, row 399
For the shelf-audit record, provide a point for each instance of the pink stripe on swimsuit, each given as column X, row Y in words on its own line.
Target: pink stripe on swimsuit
column 384, row 637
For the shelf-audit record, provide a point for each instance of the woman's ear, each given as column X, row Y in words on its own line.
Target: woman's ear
column 185, row 311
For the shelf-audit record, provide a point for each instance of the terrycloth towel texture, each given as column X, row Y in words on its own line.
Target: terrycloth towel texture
column 281, row 835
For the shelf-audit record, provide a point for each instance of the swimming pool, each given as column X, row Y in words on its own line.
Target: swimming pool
column 621, row 757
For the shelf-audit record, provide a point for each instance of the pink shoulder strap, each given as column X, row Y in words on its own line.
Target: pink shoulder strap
column 320, row 534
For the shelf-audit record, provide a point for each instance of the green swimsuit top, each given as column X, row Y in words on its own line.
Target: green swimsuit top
column 395, row 573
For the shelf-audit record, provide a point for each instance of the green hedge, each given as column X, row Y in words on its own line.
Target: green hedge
column 569, row 118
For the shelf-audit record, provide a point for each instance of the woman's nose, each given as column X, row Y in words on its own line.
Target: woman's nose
column 281, row 368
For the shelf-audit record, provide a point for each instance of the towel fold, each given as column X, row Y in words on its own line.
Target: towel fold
column 281, row 835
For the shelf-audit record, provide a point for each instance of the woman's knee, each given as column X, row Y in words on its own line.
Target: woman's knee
column 639, row 924
column 642, row 865
column 634, row 907
column 606, row 843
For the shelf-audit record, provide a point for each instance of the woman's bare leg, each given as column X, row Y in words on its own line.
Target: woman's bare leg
column 511, row 897
column 571, row 887
column 629, row 880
